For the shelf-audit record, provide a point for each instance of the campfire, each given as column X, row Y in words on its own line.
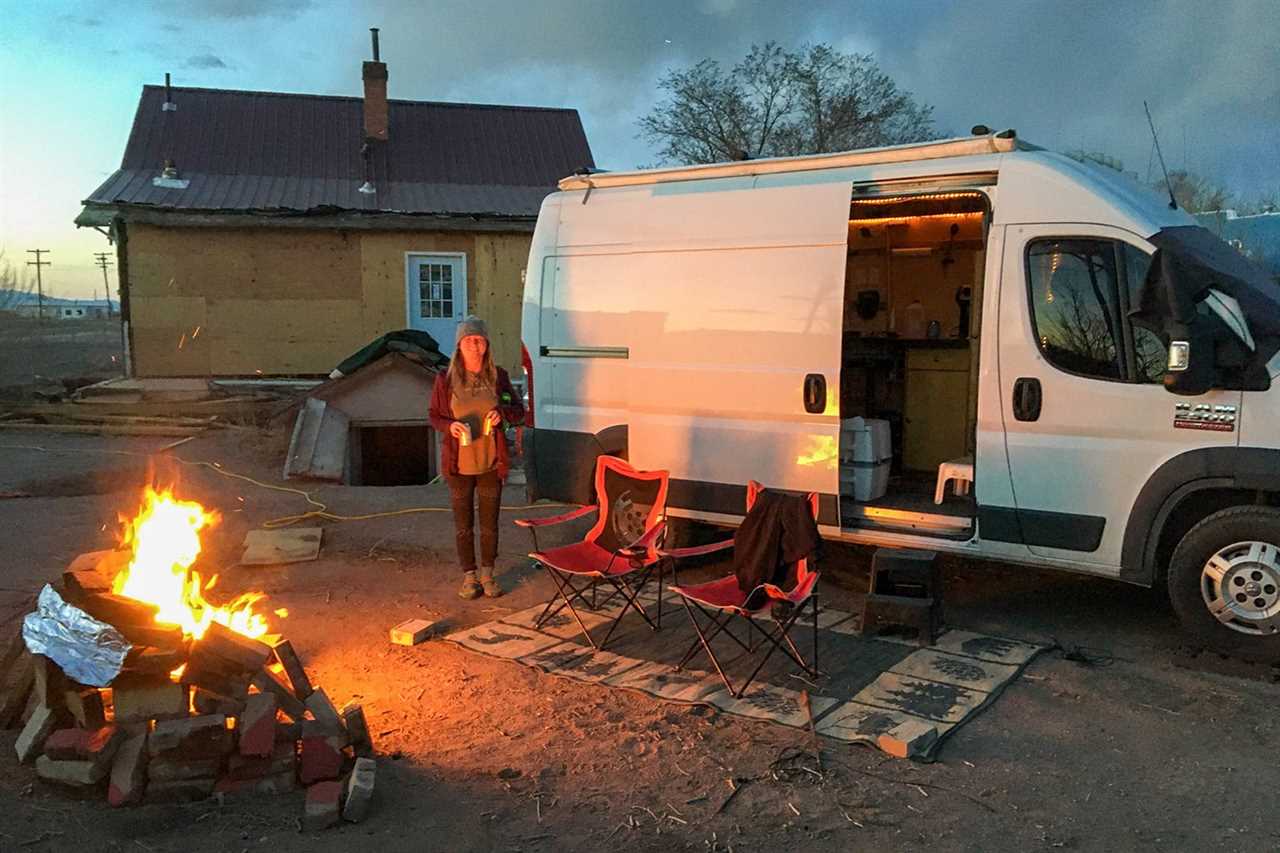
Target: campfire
column 165, row 541
column 188, row 697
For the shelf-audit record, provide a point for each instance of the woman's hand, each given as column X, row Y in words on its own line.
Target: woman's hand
column 457, row 429
column 493, row 420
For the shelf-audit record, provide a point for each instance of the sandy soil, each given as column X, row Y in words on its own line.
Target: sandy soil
column 1135, row 752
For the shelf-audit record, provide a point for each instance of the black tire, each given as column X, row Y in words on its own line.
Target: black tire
column 1218, row 531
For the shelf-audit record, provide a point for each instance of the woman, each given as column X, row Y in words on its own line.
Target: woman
column 470, row 406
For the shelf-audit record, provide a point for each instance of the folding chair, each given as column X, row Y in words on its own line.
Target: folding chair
column 720, row 601
column 620, row 552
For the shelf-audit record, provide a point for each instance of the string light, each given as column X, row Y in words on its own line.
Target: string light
column 891, row 219
column 901, row 199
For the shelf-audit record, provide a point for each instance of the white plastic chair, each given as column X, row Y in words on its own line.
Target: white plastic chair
column 960, row 470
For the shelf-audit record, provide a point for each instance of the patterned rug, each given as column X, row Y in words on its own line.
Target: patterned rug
column 885, row 692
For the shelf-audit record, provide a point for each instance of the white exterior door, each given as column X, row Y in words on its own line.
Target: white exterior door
column 436, row 295
column 1086, row 418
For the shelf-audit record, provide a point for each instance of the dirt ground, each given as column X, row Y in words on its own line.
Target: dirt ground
column 1121, row 747
column 41, row 355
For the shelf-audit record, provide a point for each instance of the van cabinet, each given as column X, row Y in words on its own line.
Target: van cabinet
column 937, row 400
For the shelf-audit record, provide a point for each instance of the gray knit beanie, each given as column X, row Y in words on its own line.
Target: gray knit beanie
column 472, row 325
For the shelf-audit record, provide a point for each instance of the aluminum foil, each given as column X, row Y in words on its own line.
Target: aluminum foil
column 88, row 651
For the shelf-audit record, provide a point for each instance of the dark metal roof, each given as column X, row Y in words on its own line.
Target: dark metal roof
column 273, row 152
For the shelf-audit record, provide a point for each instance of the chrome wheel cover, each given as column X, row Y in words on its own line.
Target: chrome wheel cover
column 1240, row 585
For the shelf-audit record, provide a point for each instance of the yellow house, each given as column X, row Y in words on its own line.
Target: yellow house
column 269, row 234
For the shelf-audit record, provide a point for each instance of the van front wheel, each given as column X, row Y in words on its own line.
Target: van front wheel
column 1224, row 582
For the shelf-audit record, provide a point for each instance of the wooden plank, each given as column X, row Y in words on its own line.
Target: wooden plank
column 382, row 274
column 227, row 263
column 329, row 460
column 68, row 413
column 306, row 432
column 242, row 407
column 499, row 292
column 165, row 311
column 105, row 429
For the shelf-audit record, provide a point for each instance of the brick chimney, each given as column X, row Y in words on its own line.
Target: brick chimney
column 375, row 95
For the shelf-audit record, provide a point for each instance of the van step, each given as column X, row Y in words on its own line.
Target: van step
column 906, row 592
column 860, row 515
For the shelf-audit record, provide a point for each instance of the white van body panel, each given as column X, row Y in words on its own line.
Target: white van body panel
column 1042, row 186
column 692, row 279
column 725, row 292
column 1097, row 442
column 1260, row 412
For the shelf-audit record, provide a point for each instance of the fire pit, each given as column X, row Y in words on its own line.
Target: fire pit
column 186, row 698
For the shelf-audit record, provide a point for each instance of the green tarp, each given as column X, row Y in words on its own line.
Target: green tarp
column 411, row 341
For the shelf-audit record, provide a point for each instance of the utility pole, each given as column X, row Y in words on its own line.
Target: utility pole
column 38, row 263
column 103, row 260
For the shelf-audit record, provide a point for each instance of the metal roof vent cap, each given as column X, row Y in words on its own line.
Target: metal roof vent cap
column 168, row 177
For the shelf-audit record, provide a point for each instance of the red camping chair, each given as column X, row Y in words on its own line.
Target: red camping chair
column 620, row 551
column 720, row 601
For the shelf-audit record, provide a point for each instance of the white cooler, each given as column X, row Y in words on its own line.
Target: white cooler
column 866, row 450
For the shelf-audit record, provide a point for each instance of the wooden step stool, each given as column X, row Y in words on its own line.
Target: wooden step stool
column 906, row 592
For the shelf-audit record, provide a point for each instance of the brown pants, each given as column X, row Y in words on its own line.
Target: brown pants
column 462, row 491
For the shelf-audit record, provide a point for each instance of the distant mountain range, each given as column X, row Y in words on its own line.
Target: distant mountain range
column 10, row 299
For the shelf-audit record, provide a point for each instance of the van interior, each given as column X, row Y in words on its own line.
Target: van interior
column 909, row 360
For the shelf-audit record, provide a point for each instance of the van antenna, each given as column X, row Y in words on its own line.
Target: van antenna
column 1173, row 202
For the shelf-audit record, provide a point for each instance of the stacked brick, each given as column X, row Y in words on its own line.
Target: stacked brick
column 184, row 719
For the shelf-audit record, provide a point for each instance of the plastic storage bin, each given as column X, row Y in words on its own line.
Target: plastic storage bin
column 866, row 449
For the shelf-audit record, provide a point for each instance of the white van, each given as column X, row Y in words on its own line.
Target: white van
column 990, row 307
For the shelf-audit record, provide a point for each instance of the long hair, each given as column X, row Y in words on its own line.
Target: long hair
column 460, row 378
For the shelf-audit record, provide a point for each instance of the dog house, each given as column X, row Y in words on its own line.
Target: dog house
column 368, row 428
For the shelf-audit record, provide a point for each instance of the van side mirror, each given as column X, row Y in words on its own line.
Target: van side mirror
column 1190, row 370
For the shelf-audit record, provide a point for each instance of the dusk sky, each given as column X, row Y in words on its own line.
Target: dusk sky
column 1067, row 75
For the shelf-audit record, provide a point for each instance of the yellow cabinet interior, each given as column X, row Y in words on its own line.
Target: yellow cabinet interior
column 936, row 406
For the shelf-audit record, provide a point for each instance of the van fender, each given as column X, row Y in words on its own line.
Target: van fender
column 560, row 464
column 1178, row 480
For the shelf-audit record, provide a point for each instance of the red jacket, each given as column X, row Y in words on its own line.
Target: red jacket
column 441, row 416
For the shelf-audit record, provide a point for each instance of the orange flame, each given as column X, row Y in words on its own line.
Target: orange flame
column 165, row 535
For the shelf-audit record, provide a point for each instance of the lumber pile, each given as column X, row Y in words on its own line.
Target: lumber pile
column 68, row 418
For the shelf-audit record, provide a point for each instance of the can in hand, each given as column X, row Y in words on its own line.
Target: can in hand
column 464, row 440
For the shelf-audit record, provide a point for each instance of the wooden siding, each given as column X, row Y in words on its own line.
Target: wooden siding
column 236, row 302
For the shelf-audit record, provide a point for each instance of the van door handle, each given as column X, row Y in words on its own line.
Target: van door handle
column 1026, row 399
column 815, row 393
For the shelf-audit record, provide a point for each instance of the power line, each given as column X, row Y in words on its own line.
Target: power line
column 38, row 263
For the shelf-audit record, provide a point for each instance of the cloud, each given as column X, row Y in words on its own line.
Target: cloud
column 69, row 20
column 1065, row 75
column 205, row 60
column 236, row 9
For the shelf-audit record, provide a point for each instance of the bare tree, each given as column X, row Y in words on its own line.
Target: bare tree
column 1263, row 201
column 1196, row 193
column 778, row 103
